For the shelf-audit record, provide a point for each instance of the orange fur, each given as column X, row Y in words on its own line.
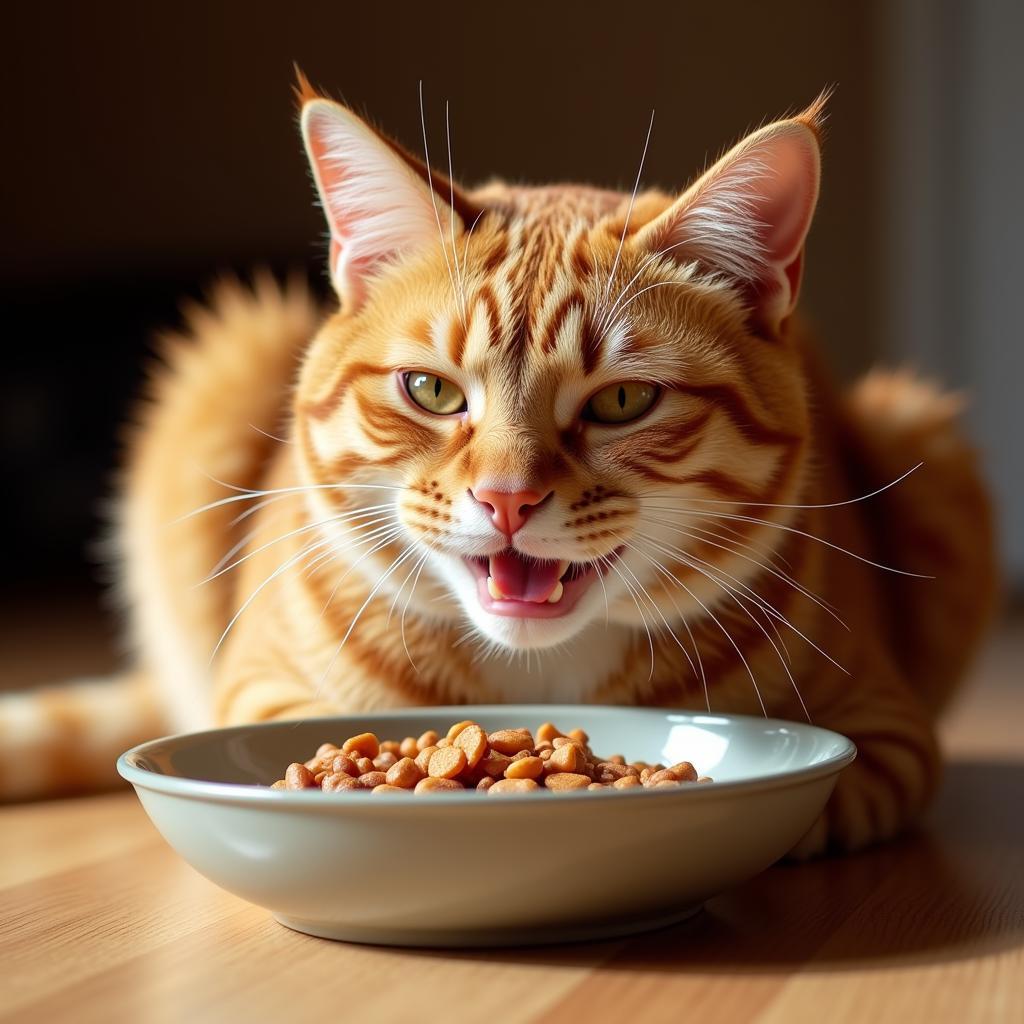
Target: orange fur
column 547, row 295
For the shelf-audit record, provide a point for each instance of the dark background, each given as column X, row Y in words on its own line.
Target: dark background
column 149, row 146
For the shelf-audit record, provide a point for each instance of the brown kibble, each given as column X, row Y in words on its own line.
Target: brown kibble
column 298, row 776
column 506, row 786
column 567, row 758
column 561, row 782
column 609, row 771
column 457, row 728
column 404, row 774
column 365, row 744
column 627, row 782
column 446, row 762
column 428, row 739
column 524, row 768
column 423, row 758
column 494, row 764
column 344, row 764
column 510, row 741
column 547, row 732
column 467, row 757
column 338, row 782
column 473, row 741
column 684, row 771
column 432, row 785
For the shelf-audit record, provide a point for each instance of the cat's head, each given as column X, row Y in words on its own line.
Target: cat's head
column 546, row 399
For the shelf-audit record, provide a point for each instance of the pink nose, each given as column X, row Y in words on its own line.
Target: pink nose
column 509, row 509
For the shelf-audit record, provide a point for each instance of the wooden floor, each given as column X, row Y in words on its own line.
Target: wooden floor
column 100, row 921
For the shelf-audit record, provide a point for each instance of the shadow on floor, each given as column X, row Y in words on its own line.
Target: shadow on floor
column 948, row 892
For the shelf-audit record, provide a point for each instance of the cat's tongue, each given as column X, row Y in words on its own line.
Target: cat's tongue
column 524, row 579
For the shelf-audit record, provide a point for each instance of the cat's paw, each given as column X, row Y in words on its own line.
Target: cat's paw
column 878, row 797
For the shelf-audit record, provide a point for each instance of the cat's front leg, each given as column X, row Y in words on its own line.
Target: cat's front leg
column 896, row 771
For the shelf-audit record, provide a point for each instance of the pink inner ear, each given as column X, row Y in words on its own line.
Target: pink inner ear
column 747, row 219
column 377, row 208
column 785, row 196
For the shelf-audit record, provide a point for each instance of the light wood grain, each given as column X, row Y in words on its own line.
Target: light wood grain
column 100, row 921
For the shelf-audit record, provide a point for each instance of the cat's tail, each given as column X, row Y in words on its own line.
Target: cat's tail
column 60, row 740
column 937, row 522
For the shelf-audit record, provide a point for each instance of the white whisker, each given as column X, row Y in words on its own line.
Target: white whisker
column 345, row 517
column 384, row 536
column 765, row 606
column 654, row 605
column 643, row 618
column 405, row 609
column 831, row 504
column 714, row 619
column 369, row 597
column 250, row 495
column 785, row 577
column 287, row 564
column 809, row 536
column 451, row 220
column 273, row 437
column 739, row 599
column 433, row 195
column 629, row 211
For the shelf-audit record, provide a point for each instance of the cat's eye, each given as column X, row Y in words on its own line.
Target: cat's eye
column 435, row 394
column 620, row 403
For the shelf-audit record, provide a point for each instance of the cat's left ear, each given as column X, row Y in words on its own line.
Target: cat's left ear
column 375, row 196
column 747, row 217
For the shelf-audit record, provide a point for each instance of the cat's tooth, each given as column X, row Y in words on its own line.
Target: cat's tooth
column 562, row 568
column 556, row 595
column 492, row 589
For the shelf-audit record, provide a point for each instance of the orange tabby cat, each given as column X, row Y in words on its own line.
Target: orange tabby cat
column 556, row 444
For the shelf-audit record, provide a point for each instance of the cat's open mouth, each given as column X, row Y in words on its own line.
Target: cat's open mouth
column 517, row 585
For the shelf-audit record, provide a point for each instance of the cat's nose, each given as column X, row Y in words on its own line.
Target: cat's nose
column 509, row 510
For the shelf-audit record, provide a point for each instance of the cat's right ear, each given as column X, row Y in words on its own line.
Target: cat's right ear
column 378, row 206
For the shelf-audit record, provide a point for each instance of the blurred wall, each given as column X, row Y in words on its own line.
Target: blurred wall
column 953, row 217
column 148, row 146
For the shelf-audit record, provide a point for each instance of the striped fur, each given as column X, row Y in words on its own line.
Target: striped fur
column 345, row 587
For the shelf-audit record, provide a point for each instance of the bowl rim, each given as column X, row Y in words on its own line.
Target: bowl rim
column 251, row 794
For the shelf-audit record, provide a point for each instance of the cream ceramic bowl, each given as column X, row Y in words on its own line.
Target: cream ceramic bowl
column 465, row 869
